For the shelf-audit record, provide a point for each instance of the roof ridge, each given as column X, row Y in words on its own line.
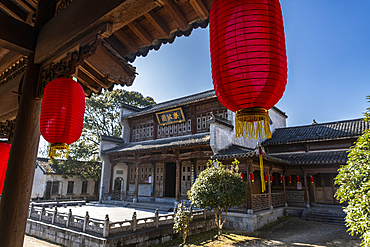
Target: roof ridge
column 321, row 124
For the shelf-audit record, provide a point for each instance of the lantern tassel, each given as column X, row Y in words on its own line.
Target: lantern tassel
column 57, row 150
column 252, row 123
column 263, row 186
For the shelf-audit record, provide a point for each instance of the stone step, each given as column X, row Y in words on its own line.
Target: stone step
column 336, row 218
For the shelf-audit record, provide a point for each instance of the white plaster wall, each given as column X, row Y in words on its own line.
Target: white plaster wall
column 221, row 137
column 125, row 126
column 278, row 120
column 120, row 167
column 39, row 183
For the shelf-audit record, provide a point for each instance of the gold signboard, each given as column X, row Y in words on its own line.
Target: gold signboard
column 170, row 117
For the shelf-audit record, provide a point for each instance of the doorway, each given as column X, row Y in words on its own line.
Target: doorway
column 170, row 182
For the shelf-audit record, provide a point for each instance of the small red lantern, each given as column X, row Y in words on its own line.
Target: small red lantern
column 252, row 177
column 311, row 179
column 241, row 175
column 298, row 179
column 62, row 113
column 266, row 178
column 281, row 179
column 4, row 157
column 271, row 178
column 290, row 179
column 249, row 62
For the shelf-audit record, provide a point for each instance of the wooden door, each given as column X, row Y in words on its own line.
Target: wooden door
column 325, row 189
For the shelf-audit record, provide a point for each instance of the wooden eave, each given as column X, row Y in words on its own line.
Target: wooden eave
column 117, row 32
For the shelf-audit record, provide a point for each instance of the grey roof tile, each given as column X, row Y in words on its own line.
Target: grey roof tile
column 318, row 132
column 314, row 158
column 180, row 141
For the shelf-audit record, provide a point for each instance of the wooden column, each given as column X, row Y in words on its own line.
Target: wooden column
column 249, row 201
column 306, row 199
column 269, row 188
column 136, row 192
column 284, row 188
column 153, row 179
column 178, row 178
column 22, row 160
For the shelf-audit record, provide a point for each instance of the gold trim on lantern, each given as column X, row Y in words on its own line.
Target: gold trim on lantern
column 252, row 123
column 58, row 150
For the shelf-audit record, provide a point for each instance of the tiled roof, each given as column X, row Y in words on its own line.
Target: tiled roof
column 180, row 141
column 174, row 103
column 318, row 132
column 43, row 163
column 237, row 152
column 314, row 158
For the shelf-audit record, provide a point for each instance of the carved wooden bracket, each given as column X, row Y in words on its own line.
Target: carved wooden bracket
column 61, row 4
column 7, row 130
column 18, row 68
column 67, row 65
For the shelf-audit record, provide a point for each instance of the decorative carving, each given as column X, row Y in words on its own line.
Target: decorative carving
column 7, row 130
column 67, row 65
column 61, row 4
column 17, row 68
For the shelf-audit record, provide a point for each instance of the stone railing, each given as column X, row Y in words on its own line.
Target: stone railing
column 260, row 202
column 105, row 227
column 278, row 199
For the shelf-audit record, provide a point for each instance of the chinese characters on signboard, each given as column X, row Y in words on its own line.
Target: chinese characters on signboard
column 170, row 116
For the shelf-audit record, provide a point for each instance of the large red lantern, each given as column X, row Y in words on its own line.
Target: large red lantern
column 4, row 157
column 249, row 62
column 62, row 113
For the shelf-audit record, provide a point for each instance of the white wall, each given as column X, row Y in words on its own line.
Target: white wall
column 120, row 167
column 39, row 183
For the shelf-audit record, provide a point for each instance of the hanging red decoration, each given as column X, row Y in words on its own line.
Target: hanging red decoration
column 4, row 157
column 241, row 175
column 311, row 179
column 252, row 177
column 290, row 179
column 271, row 178
column 266, row 178
column 249, row 62
column 62, row 113
column 281, row 179
column 298, row 179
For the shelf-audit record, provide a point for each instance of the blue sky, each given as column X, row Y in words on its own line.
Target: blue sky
column 328, row 45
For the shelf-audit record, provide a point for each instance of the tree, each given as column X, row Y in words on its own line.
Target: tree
column 354, row 182
column 219, row 189
column 182, row 220
column 102, row 118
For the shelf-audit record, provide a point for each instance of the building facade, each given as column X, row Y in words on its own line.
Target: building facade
column 164, row 147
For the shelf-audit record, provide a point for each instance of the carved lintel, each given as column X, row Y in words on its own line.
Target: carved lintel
column 61, row 4
column 67, row 65
column 7, row 130
column 16, row 69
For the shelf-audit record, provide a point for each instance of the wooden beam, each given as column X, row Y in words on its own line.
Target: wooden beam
column 70, row 26
column 17, row 36
column 13, row 10
column 32, row 3
column 140, row 32
column 8, row 59
column 200, row 8
column 157, row 24
column 125, row 39
column 176, row 14
column 197, row 154
column 25, row 6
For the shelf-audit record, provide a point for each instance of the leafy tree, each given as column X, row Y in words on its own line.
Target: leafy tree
column 102, row 118
column 182, row 220
column 354, row 182
column 219, row 189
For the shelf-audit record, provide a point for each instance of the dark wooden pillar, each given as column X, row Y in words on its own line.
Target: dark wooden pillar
column 249, row 201
column 153, row 180
column 178, row 179
column 306, row 197
column 136, row 192
column 284, row 188
column 22, row 161
column 269, row 188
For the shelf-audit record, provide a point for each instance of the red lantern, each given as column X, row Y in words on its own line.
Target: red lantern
column 252, row 177
column 62, row 113
column 271, row 178
column 266, row 178
column 298, row 179
column 249, row 62
column 281, row 179
column 290, row 179
column 4, row 157
column 241, row 175
column 311, row 179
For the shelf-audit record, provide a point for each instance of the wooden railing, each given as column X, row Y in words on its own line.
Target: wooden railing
column 295, row 198
column 278, row 199
column 260, row 202
column 105, row 227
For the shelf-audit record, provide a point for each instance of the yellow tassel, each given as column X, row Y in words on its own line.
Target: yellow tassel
column 58, row 150
column 252, row 123
column 263, row 186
